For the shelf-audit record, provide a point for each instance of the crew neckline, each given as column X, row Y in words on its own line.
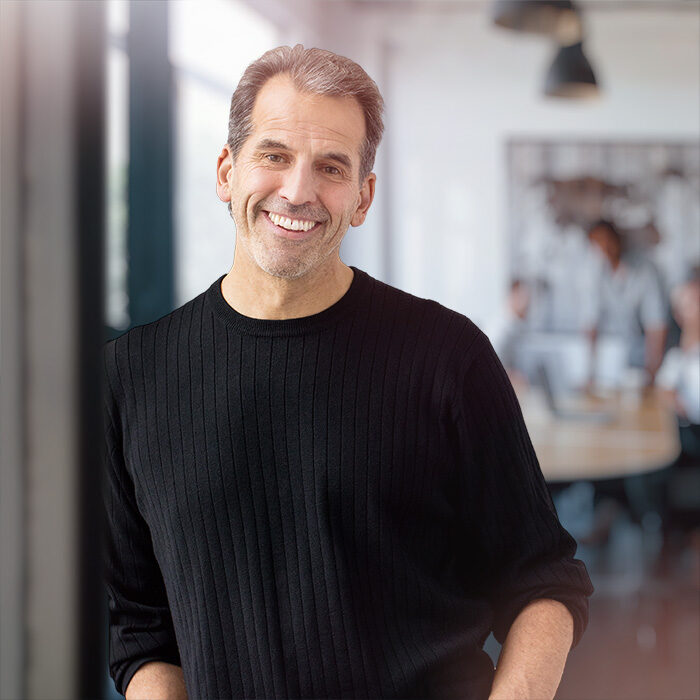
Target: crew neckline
column 248, row 325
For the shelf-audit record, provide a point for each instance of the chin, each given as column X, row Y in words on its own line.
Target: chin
column 286, row 269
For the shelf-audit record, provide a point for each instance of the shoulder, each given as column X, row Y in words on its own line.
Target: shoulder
column 143, row 340
column 445, row 331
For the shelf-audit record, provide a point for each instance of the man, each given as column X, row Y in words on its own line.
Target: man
column 321, row 486
column 625, row 297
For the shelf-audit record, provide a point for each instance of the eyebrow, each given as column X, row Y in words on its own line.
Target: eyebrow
column 338, row 157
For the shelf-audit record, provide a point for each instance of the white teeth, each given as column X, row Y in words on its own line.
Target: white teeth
column 290, row 224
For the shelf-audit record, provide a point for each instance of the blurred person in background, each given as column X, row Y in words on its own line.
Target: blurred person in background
column 508, row 330
column 625, row 298
column 679, row 374
column 319, row 485
column 673, row 493
column 679, row 380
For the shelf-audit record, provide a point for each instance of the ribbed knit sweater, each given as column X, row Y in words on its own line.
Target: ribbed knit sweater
column 342, row 505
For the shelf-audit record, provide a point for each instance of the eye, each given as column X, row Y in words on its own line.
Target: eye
column 274, row 157
column 331, row 170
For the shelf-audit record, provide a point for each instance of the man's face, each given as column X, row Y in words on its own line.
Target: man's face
column 294, row 188
column 605, row 242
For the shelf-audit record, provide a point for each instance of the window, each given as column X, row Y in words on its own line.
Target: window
column 210, row 46
column 116, row 204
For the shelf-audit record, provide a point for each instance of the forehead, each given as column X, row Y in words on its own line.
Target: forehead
column 306, row 121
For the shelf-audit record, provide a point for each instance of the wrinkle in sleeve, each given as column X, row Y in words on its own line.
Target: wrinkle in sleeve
column 515, row 548
column 140, row 623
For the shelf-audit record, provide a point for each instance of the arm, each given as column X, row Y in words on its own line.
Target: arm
column 140, row 623
column 669, row 397
column 667, row 381
column 654, row 345
column 653, row 316
column 591, row 310
column 533, row 656
column 516, row 550
column 592, row 336
column 157, row 680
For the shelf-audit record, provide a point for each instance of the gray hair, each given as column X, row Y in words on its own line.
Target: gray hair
column 313, row 71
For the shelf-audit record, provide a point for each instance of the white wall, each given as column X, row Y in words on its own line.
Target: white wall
column 206, row 72
column 457, row 89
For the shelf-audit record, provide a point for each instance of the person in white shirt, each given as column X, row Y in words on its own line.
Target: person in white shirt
column 679, row 381
column 679, row 374
column 626, row 298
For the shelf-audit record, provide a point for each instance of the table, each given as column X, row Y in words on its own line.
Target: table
column 642, row 437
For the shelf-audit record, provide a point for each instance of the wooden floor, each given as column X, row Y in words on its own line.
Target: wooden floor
column 643, row 636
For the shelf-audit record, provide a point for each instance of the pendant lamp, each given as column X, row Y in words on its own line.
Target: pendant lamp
column 558, row 19
column 571, row 75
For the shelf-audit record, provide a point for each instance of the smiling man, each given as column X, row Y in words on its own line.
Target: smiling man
column 320, row 486
column 296, row 187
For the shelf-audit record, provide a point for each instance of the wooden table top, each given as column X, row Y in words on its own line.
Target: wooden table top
column 642, row 436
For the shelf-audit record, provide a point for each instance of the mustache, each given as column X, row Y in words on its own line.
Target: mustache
column 301, row 211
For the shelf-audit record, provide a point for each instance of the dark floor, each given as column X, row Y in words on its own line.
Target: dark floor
column 643, row 636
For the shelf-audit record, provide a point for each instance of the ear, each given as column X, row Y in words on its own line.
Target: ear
column 224, row 168
column 366, row 197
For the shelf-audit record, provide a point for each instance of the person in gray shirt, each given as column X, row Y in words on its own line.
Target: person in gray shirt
column 625, row 298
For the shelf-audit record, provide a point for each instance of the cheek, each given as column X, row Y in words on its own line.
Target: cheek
column 255, row 184
column 263, row 180
column 340, row 204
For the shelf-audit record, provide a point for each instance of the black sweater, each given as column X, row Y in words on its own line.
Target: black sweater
column 336, row 506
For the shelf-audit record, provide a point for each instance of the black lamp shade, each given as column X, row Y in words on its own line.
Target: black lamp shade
column 571, row 75
column 555, row 18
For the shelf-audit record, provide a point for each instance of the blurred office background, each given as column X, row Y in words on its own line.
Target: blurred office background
column 507, row 136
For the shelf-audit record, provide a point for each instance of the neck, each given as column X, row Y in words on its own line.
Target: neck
column 257, row 294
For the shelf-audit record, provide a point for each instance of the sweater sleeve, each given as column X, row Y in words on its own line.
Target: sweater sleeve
column 514, row 544
column 140, row 624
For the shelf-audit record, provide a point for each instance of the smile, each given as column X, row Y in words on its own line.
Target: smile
column 290, row 224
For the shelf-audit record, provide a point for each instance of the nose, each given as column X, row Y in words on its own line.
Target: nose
column 298, row 186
